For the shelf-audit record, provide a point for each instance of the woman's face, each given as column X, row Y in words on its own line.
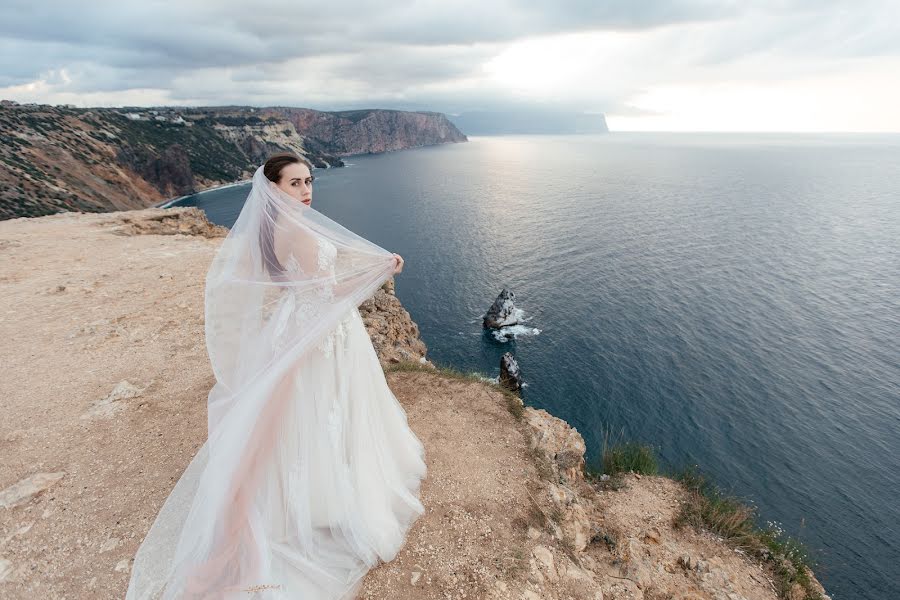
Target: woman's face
column 296, row 181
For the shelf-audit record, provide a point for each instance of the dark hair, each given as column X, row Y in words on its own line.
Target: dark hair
column 272, row 170
column 277, row 162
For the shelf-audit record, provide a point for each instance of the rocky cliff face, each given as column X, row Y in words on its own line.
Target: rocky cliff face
column 99, row 159
column 395, row 336
column 362, row 131
column 621, row 541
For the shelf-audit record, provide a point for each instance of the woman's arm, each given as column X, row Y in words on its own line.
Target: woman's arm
column 300, row 244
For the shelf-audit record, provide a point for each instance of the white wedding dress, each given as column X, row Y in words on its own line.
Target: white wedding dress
column 346, row 462
column 310, row 474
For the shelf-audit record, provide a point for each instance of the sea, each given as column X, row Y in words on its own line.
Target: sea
column 732, row 300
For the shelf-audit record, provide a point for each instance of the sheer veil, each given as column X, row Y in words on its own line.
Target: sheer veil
column 207, row 540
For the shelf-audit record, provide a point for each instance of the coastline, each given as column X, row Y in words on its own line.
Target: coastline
column 197, row 146
column 174, row 201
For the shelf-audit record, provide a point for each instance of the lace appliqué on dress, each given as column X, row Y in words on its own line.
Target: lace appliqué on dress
column 327, row 255
column 306, row 305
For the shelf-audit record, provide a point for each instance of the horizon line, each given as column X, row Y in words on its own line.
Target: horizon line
column 449, row 115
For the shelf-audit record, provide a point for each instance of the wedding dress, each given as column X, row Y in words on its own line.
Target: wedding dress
column 310, row 475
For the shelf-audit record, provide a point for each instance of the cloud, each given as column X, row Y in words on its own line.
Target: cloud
column 437, row 55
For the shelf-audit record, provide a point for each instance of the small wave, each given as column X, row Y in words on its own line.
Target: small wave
column 509, row 332
column 505, row 334
column 517, row 316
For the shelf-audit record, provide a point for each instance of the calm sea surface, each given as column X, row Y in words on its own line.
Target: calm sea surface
column 732, row 300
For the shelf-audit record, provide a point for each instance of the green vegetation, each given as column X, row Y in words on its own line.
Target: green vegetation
column 619, row 456
column 709, row 508
column 211, row 155
column 236, row 121
column 629, row 457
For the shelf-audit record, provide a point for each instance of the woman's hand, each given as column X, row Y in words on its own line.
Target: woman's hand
column 399, row 263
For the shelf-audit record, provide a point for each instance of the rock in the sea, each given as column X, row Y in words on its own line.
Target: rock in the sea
column 502, row 312
column 510, row 375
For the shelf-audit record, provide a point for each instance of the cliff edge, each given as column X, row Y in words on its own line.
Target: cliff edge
column 104, row 405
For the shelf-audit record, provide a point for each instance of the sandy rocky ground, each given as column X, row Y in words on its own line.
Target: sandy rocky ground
column 104, row 404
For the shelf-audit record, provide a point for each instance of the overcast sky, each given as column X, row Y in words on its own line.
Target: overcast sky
column 659, row 65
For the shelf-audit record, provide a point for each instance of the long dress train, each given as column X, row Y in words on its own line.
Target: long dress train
column 342, row 489
column 335, row 493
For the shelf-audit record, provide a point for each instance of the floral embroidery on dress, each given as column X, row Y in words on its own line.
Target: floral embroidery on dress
column 339, row 332
column 306, row 304
column 327, row 254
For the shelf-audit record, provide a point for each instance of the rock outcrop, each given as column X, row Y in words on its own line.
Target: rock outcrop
column 620, row 543
column 166, row 221
column 502, row 312
column 394, row 334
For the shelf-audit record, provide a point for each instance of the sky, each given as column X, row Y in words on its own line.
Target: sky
column 648, row 65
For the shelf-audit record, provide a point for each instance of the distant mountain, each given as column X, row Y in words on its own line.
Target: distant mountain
column 496, row 122
column 55, row 158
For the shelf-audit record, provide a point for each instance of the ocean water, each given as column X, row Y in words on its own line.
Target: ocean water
column 731, row 299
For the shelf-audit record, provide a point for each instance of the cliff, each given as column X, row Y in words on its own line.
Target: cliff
column 101, row 159
column 104, row 406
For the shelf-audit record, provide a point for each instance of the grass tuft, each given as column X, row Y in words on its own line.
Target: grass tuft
column 709, row 508
column 618, row 457
column 629, row 457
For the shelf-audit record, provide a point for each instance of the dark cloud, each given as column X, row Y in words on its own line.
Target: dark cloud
column 229, row 33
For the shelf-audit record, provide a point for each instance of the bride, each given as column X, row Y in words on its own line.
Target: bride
column 310, row 474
